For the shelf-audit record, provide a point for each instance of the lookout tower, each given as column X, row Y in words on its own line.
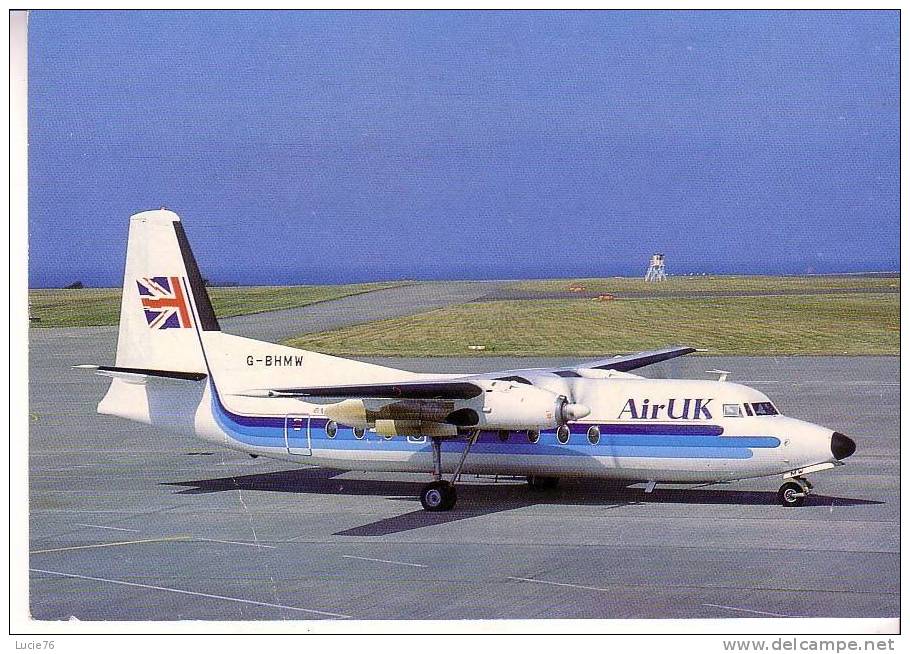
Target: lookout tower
column 656, row 271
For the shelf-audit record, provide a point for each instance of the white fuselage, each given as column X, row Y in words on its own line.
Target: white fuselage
column 176, row 369
column 638, row 429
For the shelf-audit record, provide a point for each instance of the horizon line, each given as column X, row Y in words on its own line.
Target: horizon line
column 229, row 284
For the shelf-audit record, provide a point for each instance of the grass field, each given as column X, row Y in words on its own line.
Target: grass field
column 101, row 306
column 833, row 321
column 859, row 323
column 729, row 283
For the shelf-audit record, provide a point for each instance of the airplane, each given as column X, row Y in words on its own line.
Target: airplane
column 175, row 369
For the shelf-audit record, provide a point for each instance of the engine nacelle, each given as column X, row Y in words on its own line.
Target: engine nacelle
column 509, row 405
column 501, row 405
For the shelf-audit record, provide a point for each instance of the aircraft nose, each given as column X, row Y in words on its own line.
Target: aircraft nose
column 841, row 446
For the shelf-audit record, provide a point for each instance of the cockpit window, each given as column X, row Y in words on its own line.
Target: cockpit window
column 748, row 409
column 733, row 411
column 764, row 409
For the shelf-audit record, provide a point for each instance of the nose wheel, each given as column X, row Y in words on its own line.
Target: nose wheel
column 794, row 493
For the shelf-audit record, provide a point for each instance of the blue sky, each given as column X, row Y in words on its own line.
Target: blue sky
column 333, row 147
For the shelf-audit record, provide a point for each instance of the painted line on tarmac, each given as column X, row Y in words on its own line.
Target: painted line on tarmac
column 81, row 524
column 150, row 540
column 122, row 542
column 68, row 468
column 736, row 608
column 556, row 583
column 608, row 590
column 233, row 542
column 365, row 558
column 192, row 592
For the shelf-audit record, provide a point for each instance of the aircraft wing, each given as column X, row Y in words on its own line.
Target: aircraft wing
column 516, row 399
column 418, row 390
column 629, row 362
column 468, row 387
column 620, row 363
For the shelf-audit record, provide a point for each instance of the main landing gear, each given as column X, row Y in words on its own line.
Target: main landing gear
column 440, row 495
column 794, row 492
column 538, row 483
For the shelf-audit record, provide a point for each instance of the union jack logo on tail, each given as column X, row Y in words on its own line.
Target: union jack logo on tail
column 164, row 302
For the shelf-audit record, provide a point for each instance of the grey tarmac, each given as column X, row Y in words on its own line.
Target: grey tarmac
column 129, row 523
column 405, row 300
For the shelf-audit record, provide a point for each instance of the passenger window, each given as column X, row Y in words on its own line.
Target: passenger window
column 562, row 434
column 733, row 411
column 331, row 428
column 358, row 432
column 533, row 435
column 503, row 435
column 593, row 434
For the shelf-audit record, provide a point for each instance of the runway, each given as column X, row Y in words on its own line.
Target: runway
column 128, row 523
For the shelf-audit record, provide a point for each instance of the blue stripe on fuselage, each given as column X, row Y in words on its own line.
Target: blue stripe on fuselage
column 670, row 441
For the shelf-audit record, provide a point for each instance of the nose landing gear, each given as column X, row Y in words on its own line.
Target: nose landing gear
column 794, row 492
column 539, row 483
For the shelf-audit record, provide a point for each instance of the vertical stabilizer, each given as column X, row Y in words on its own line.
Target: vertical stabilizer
column 163, row 298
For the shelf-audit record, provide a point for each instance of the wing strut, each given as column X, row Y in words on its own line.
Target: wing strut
column 464, row 455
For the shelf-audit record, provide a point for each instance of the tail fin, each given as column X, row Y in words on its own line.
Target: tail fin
column 164, row 298
column 165, row 319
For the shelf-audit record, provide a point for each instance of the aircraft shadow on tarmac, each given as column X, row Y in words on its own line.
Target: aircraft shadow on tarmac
column 478, row 499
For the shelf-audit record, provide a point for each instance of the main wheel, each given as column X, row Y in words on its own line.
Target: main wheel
column 438, row 496
column 451, row 497
column 791, row 494
column 542, row 483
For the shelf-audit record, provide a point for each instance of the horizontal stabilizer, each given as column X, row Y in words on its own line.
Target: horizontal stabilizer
column 132, row 373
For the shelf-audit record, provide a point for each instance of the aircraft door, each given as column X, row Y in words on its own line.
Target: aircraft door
column 297, row 434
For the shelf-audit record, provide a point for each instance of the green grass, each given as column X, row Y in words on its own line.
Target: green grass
column 729, row 283
column 101, row 306
column 859, row 323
